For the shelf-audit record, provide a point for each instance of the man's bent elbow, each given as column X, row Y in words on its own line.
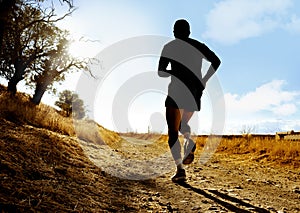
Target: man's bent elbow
column 216, row 64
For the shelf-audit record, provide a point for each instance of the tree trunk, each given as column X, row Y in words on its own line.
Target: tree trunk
column 42, row 84
column 17, row 77
column 12, row 86
column 38, row 93
column 12, row 83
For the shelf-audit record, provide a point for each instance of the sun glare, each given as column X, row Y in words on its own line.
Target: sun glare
column 83, row 49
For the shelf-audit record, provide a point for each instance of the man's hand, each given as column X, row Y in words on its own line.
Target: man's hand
column 208, row 75
column 163, row 74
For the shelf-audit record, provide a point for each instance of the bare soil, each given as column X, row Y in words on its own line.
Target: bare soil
column 44, row 171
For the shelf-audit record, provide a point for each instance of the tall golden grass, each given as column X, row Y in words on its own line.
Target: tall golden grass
column 267, row 149
column 256, row 148
column 19, row 109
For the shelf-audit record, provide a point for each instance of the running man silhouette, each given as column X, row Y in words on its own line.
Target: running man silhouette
column 185, row 55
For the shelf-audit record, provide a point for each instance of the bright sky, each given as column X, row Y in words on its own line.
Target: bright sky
column 258, row 42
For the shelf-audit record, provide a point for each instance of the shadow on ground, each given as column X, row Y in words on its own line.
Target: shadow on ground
column 225, row 200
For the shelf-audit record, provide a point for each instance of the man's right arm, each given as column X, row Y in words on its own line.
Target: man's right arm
column 162, row 67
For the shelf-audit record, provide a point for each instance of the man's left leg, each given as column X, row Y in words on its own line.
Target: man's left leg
column 173, row 117
column 189, row 145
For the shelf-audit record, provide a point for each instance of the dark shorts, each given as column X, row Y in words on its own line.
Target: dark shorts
column 182, row 102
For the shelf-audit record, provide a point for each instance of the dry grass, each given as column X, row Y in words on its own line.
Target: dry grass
column 258, row 148
column 271, row 150
column 20, row 110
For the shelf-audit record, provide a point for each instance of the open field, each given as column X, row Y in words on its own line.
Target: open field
column 266, row 148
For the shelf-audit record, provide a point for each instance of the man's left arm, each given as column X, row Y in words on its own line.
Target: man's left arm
column 215, row 63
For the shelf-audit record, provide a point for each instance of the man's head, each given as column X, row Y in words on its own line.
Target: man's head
column 181, row 29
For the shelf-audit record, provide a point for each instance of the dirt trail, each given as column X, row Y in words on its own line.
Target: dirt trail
column 44, row 171
column 227, row 183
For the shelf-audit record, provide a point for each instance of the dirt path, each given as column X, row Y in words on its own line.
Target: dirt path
column 227, row 183
column 44, row 171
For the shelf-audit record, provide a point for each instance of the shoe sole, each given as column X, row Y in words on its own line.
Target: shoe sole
column 179, row 180
column 189, row 159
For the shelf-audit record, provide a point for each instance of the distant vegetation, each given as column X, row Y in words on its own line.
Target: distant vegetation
column 70, row 104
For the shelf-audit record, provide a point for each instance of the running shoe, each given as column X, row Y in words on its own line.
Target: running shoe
column 180, row 176
column 189, row 151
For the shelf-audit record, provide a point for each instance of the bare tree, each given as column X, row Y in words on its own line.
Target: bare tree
column 247, row 129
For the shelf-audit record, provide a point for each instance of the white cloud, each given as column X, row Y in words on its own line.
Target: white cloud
column 294, row 25
column 269, row 97
column 285, row 109
column 233, row 20
column 268, row 109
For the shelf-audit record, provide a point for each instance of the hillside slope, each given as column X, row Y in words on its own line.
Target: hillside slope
column 45, row 171
column 43, row 167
